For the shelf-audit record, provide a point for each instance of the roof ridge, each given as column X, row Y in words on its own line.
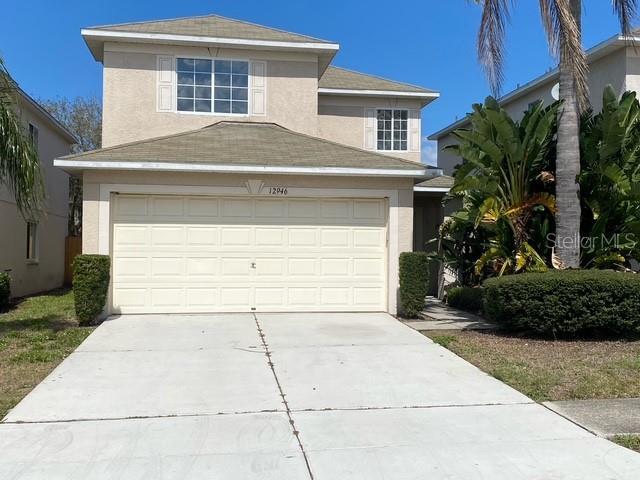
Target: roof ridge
column 380, row 78
column 212, row 15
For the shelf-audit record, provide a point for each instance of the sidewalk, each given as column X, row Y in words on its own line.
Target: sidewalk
column 439, row 316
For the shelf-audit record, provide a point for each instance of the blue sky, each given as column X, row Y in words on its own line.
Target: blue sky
column 429, row 42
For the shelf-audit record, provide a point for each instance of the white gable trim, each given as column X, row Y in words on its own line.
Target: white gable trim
column 377, row 93
column 199, row 167
column 240, row 42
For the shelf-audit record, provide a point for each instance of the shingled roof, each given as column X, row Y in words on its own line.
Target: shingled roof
column 244, row 144
column 341, row 78
column 211, row 26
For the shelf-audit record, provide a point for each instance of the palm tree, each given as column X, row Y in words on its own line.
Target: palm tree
column 562, row 20
column 19, row 165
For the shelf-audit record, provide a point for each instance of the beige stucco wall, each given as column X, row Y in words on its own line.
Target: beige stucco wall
column 620, row 68
column 129, row 92
column 342, row 119
column 403, row 187
column 47, row 273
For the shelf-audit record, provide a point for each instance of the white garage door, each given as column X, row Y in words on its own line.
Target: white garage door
column 223, row 254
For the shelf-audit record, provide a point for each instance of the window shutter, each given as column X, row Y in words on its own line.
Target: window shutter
column 165, row 84
column 414, row 130
column 370, row 129
column 258, row 88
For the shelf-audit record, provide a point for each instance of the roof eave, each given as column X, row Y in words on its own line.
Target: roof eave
column 95, row 38
column 425, row 97
column 74, row 166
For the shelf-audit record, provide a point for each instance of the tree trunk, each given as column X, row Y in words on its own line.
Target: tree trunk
column 568, row 163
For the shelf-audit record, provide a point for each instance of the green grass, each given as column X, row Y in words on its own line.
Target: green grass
column 36, row 334
column 632, row 442
column 551, row 370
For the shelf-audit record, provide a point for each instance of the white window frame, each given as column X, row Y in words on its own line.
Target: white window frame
column 408, row 111
column 33, row 244
column 212, row 59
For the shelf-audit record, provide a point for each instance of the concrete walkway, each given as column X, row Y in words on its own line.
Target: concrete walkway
column 605, row 417
column 437, row 315
column 287, row 396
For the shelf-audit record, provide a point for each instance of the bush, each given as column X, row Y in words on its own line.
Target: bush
column 414, row 282
column 90, row 285
column 465, row 298
column 5, row 290
column 566, row 302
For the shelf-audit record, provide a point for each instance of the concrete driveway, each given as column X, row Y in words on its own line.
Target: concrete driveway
column 287, row 396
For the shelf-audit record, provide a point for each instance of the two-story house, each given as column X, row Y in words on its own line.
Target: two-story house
column 33, row 252
column 242, row 172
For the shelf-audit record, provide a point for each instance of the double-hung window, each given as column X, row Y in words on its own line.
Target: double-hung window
column 213, row 86
column 33, row 136
column 392, row 129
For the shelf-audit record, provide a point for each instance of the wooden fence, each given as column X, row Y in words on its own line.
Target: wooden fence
column 72, row 247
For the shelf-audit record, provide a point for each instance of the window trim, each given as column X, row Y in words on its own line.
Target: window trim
column 33, row 257
column 408, row 110
column 212, row 59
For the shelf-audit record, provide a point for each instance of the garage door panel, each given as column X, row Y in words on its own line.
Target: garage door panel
column 206, row 254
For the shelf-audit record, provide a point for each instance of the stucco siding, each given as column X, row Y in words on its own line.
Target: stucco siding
column 129, row 92
column 47, row 273
column 342, row 119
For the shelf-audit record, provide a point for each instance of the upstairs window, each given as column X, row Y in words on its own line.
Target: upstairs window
column 392, row 129
column 213, row 86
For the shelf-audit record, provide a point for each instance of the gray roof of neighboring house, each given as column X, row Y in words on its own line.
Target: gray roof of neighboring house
column 341, row 78
column 211, row 26
column 246, row 144
column 443, row 181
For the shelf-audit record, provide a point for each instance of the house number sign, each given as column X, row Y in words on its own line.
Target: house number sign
column 280, row 191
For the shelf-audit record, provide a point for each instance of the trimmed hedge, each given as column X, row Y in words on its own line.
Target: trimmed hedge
column 90, row 285
column 414, row 282
column 5, row 290
column 466, row 298
column 566, row 302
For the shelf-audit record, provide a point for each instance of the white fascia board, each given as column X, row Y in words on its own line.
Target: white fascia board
column 431, row 189
column 199, row 167
column 377, row 93
column 191, row 39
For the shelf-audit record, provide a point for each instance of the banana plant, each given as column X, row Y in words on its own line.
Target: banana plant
column 506, row 183
column 610, row 182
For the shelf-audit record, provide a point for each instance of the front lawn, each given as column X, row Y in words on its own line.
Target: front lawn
column 630, row 441
column 35, row 336
column 551, row 370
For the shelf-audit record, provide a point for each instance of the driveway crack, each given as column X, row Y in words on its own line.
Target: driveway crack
column 296, row 433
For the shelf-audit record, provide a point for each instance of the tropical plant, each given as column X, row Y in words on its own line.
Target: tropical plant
column 610, row 182
column 562, row 20
column 505, row 182
column 19, row 164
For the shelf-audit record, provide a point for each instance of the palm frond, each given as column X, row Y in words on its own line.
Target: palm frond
column 626, row 10
column 495, row 15
column 19, row 164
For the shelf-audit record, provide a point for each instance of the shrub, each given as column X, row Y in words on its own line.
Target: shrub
column 5, row 290
column 566, row 302
column 90, row 285
column 465, row 298
column 414, row 282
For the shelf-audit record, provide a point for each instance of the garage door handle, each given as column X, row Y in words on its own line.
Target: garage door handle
column 253, row 264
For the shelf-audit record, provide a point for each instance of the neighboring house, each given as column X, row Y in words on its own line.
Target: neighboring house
column 242, row 172
column 615, row 61
column 33, row 253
